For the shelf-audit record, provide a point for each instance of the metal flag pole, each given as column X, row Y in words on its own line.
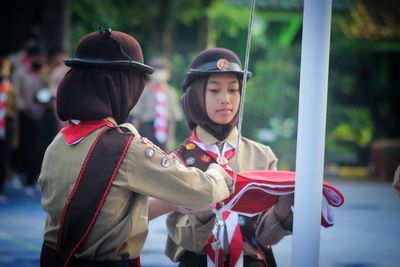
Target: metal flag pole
column 246, row 68
column 217, row 243
column 311, row 132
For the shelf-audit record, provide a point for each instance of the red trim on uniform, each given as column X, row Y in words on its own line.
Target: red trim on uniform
column 102, row 199
column 75, row 188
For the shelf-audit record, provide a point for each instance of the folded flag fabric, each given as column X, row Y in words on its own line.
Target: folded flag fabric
column 258, row 190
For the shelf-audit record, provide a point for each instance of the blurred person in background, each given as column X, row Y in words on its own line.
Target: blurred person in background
column 26, row 84
column 8, row 124
column 57, row 71
column 158, row 108
column 21, row 59
column 47, row 126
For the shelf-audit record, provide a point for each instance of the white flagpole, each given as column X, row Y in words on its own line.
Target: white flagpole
column 311, row 132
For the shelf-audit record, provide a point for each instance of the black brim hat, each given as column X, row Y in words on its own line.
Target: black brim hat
column 109, row 49
column 213, row 61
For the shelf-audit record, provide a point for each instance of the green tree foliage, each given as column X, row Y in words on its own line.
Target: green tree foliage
column 272, row 101
column 179, row 29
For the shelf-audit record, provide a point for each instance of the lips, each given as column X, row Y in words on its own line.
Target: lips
column 224, row 110
column 226, row 113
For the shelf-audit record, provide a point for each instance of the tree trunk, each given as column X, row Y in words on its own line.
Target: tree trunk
column 204, row 39
column 56, row 24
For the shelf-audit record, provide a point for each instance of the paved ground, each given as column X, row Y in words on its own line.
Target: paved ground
column 366, row 233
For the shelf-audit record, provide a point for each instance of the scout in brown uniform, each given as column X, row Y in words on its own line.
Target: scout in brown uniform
column 211, row 98
column 97, row 174
column 158, row 109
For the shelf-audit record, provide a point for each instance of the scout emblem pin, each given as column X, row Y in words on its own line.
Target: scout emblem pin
column 222, row 161
column 190, row 146
column 165, row 162
column 222, row 64
column 205, row 158
column 150, row 153
column 190, row 160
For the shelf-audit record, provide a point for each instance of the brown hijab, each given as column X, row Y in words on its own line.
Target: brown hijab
column 93, row 94
column 194, row 108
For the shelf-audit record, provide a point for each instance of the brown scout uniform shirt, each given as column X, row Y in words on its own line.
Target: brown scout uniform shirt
column 121, row 228
column 186, row 232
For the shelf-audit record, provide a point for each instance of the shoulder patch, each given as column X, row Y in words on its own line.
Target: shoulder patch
column 150, row 153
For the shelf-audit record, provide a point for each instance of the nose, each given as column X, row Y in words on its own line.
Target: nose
column 224, row 96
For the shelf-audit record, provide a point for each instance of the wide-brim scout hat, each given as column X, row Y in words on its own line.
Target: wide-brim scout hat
column 212, row 61
column 109, row 49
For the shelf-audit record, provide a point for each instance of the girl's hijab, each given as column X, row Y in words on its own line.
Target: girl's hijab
column 94, row 93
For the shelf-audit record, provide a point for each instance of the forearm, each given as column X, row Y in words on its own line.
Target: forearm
column 158, row 207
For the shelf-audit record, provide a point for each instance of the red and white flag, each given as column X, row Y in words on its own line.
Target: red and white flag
column 255, row 192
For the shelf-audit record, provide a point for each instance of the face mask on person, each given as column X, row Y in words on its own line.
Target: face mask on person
column 36, row 65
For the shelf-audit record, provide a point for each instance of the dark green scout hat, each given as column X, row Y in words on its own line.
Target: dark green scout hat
column 211, row 61
column 109, row 49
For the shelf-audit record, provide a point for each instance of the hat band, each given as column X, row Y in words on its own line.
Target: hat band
column 214, row 66
column 75, row 62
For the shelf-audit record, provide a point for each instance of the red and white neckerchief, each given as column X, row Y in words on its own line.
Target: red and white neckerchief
column 214, row 248
column 213, row 150
column 225, row 219
column 77, row 130
column 4, row 88
column 160, row 119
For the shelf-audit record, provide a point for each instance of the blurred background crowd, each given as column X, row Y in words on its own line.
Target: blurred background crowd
column 363, row 129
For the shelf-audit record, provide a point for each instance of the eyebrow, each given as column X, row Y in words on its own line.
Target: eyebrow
column 217, row 82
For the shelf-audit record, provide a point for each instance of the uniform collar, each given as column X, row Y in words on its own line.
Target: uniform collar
column 207, row 139
column 77, row 130
column 110, row 119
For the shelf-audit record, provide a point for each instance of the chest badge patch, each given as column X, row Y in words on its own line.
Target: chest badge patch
column 205, row 158
column 190, row 160
column 150, row 153
column 190, row 146
column 165, row 162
